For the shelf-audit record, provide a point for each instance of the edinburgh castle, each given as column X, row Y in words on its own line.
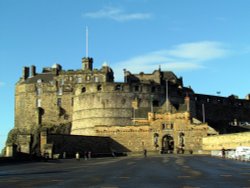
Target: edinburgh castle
column 66, row 111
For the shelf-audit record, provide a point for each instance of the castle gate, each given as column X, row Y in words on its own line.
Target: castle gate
column 167, row 144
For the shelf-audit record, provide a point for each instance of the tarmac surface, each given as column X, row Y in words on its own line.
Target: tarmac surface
column 184, row 171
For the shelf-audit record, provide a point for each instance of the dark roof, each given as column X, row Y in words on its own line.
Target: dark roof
column 46, row 78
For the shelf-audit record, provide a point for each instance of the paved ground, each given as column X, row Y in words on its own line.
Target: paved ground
column 155, row 171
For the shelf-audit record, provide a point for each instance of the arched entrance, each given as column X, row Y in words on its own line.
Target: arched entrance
column 167, row 144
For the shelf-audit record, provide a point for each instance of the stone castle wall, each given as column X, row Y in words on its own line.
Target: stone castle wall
column 29, row 114
column 228, row 141
column 110, row 104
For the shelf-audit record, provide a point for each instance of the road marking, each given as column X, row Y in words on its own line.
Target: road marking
column 189, row 186
column 124, row 177
column 184, row 176
column 56, row 180
column 226, row 175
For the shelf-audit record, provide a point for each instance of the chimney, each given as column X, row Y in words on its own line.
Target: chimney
column 32, row 70
column 26, row 72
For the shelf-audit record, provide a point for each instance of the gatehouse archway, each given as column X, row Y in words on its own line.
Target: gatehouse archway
column 167, row 144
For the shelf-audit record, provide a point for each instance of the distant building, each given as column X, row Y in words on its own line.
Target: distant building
column 153, row 111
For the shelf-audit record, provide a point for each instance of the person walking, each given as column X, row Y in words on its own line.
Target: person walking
column 145, row 153
column 223, row 152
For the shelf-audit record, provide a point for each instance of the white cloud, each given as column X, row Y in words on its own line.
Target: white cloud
column 182, row 57
column 117, row 14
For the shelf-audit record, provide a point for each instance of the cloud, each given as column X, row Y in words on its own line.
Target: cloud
column 182, row 57
column 117, row 15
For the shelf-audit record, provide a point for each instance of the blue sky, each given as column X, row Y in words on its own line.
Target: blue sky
column 206, row 42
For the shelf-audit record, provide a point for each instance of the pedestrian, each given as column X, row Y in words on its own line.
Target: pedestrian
column 223, row 152
column 89, row 154
column 145, row 152
column 77, row 156
column 86, row 155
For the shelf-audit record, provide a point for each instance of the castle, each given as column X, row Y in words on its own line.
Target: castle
column 146, row 111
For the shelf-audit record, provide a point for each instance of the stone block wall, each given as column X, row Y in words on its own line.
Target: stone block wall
column 228, row 141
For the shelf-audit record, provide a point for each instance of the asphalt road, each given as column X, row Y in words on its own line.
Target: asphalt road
column 155, row 171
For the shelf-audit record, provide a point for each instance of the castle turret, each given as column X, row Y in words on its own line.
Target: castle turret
column 87, row 63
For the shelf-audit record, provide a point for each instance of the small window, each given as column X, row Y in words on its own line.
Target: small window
column 39, row 103
column 39, row 81
column 88, row 78
column 83, row 89
column 62, row 81
column 38, row 91
column 155, row 103
column 163, row 126
column 118, row 87
column 59, row 102
column 137, row 88
column 153, row 89
column 208, row 100
column 96, row 79
column 79, row 80
column 99, row 87
column 60, row 91
column 72, row 101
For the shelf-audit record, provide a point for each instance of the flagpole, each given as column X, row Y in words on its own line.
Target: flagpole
column 87, row 41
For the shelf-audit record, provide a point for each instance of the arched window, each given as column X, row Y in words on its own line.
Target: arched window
column 99, row 87
column 83, row 89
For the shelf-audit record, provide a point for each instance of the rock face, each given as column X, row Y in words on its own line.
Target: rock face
column 88, row 102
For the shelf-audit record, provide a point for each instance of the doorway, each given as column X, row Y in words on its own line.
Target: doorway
column 167, row 144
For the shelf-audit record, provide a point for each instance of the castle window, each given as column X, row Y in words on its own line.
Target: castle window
column 96, row 79
column 72, row 101
column 39, row 103
column 79, row 80
column 118, row 87
column 83, row 89
column 153, row 89
column 39, row 81
column 99, row 87
column 62, row 81
column 60, row 91
column 137, row 88
column 88, row 78
column 38, row 91
column 155, row 103
column 163, row 126
column 59, row 102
